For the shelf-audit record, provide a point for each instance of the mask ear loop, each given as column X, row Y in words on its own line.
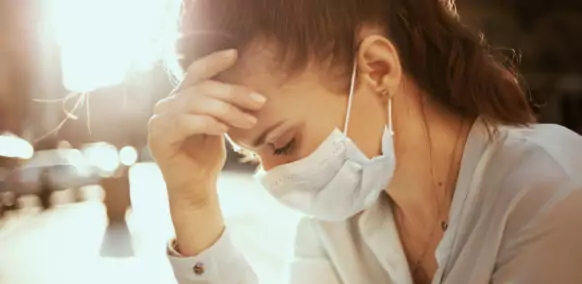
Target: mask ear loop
column 390, row 116
column 351, row 98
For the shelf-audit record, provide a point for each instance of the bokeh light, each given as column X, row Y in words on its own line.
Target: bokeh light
column 128, row 156
column 12, row 146
column 103, row 156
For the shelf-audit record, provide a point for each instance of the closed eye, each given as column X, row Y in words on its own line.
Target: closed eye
column 285, row 150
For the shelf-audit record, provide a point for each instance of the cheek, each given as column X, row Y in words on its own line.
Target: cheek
column 270, row 161
column 312, row 139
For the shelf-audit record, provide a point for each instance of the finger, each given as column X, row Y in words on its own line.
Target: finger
column 223, row 111
column 240, row 96
column 206, row 105
column 209, row 66
column 173, row 128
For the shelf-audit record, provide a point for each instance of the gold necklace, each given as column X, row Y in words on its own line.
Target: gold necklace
column 450, row 174
column 444, row 223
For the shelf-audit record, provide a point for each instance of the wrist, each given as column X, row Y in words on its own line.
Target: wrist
column 192, row 197
column 197, row 227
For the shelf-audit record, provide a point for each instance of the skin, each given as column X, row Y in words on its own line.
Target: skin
column 298, row 112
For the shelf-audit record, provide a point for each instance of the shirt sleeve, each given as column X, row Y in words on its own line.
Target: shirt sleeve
column 220, row 264
column 548, row 250
column 224, row 264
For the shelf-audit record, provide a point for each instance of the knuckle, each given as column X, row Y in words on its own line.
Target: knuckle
column 180, row 122
column 199, row 124
column 162, row 105
column 189, row 124
column 154, row 144
column 233, row 91
column 197, row 69
column 208, row 123
column 153, row 123
column 198, row 88
column 224, row 109
column 207, row 89
column 232, row 110
column 155, row 130
column 230, row 91
column 241, row 90
column 198, row 91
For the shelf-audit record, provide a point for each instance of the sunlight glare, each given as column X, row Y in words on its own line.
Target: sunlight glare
column 102, row 41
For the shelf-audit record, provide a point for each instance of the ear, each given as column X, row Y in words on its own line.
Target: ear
column 379, row 64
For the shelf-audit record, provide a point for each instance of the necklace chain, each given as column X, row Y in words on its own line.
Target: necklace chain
column 444, row 223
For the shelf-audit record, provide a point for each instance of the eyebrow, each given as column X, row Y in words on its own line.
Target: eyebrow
column 260, row 141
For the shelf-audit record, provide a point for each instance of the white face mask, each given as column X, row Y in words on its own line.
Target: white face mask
column 337, row 180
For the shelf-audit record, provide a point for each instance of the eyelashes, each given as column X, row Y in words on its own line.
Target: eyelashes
column 288, row 149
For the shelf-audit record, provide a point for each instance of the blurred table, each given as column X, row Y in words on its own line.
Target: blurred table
column 73, row 244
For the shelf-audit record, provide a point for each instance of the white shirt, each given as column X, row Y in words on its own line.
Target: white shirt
column 516, row 217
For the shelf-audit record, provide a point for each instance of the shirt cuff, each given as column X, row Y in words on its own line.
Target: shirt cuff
column 214, row 265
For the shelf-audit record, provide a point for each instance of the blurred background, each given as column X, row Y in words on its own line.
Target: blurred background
column 81, row 200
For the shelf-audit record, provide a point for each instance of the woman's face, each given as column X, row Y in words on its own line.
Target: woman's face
column 303, row 108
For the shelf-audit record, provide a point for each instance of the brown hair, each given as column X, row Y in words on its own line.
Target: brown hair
column 447, row 60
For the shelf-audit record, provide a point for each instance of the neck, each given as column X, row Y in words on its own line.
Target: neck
column 429, row 142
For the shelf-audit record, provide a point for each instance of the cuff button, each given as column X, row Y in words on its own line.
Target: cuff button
column 199, row 268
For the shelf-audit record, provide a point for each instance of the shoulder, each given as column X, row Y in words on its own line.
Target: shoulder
column 540, row 152
column 535, row 174
column 547, row 248
column 537, row 158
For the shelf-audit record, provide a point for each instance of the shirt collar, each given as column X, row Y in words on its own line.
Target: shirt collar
column 378, row 226
column 379, row 231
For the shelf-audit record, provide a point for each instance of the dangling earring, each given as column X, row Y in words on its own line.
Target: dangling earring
column 386, row 93
column 390, row 115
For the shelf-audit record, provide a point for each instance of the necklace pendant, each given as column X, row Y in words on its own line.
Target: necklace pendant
column 444, row 226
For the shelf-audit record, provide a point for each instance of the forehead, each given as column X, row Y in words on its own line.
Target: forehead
column 255, row 68
column 264, row 67
column 258, row 70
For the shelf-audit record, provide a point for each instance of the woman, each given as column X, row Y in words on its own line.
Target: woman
column 387, row 122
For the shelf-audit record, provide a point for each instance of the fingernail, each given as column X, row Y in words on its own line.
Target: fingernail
column 230, row 53
column 251, row 119
column 258, row 98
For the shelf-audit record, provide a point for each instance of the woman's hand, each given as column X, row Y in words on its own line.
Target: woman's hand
column 186, row 137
